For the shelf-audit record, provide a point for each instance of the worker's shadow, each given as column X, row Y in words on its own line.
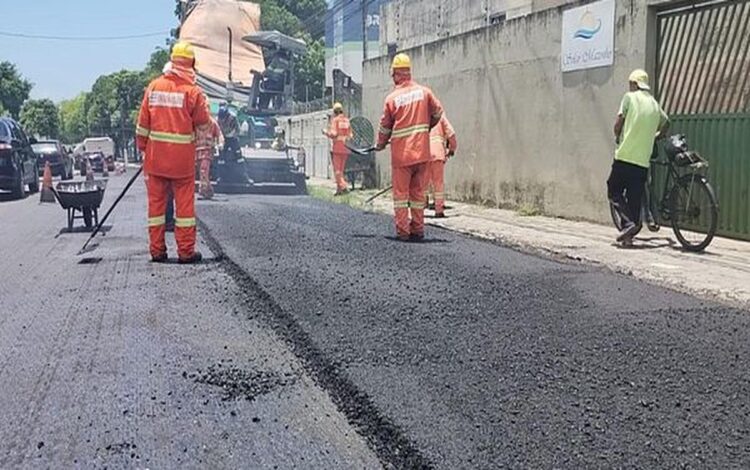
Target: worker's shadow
column 66, row 230
column 426, row 241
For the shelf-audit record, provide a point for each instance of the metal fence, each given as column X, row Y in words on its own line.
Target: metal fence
column 703, row 70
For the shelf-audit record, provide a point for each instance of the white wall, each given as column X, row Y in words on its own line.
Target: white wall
column 528, row 134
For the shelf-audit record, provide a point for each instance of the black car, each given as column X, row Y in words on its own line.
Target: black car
column 53, row 152
column 18, row 163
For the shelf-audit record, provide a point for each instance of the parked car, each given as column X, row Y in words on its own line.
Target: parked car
column 60, row 162
column 18, row 163
column 97, row 160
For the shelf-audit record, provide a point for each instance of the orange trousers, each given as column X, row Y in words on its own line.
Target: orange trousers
column 184, row 232
column 408, row 195
column 205, row 172
column 437, row 184
column 339, row 165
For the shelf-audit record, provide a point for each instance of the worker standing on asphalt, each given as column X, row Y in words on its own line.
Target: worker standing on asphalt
column 173, row 107
column 443, row 145
column 230, row 128
column 339, row 132
column 410, row 111
column 640, row 121
column 207, row 138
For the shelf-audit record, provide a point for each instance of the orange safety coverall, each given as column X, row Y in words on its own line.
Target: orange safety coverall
column 409, row 113
column 339, row 132
column 442, row 137
column 206, row 139
column 173, row 106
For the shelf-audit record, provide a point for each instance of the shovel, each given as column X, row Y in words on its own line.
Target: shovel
column 104, row 219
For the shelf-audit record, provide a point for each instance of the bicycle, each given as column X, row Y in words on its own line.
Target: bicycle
column 688, row 201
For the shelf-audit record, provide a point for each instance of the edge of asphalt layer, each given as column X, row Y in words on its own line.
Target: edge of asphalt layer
column 554, row 255
column 386, row 439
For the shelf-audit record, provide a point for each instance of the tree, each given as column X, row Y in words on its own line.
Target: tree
column 156, row 63
column 309, row 72
column 14, row 89
column 73, row 123
column 3, row 112
column 41, row 118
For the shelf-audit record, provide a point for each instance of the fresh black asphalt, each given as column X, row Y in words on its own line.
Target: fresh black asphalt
column 459, row 353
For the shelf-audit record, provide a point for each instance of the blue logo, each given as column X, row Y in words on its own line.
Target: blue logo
column 589, row 26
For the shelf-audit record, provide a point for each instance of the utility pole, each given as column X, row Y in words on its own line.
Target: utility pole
column 364, row 29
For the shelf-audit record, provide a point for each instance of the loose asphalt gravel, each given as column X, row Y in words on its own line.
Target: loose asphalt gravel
column 310, row 338
column 458, row 353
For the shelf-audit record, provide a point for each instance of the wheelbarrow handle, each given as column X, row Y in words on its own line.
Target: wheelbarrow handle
column 112, row 207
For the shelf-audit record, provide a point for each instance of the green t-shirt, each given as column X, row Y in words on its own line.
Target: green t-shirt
column 643, row 118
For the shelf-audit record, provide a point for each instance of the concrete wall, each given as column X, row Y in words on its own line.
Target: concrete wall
column 304, row 130
column 411, row 23
column 528, row 134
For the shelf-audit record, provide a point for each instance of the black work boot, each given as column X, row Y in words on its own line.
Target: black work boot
column 196, row 257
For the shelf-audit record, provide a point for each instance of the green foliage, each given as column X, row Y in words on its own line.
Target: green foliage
column 40, row 118
column 156, row 63
column 3, row 111
column 14, row 89
column 73, row 123
column 310, row 72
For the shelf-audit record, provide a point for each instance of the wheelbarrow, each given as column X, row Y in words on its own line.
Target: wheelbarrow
column 82, row 200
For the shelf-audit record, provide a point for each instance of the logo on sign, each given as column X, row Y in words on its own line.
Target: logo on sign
column 589, row 26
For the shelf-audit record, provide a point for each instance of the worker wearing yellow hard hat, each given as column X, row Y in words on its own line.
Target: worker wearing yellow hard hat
column 410, row 111
column 339, row 132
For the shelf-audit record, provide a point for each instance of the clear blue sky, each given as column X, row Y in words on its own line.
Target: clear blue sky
column 62, row 69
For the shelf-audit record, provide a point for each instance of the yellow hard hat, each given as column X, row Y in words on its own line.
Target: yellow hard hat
column 401, row 61
column 640, row 78
column 183, row 50
column 338, row 107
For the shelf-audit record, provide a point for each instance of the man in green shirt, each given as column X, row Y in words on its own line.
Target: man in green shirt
column 639, row 123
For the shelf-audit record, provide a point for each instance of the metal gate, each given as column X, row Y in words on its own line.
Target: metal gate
column 703, row 82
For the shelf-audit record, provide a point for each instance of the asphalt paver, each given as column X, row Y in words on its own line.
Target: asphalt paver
column 121, row 363
column 459, row 353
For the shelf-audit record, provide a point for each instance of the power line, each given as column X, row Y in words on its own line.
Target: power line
column 82, row 38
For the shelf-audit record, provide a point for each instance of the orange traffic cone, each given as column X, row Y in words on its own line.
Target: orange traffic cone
column 89, row 171
column 46, row 194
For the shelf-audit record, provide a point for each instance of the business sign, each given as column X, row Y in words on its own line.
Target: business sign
column 588, row 36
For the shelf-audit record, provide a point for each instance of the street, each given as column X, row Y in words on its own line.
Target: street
column 310, row 338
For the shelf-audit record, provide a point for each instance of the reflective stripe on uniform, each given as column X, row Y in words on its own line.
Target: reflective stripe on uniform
column 413, row 130
column 171, row 138
column 400, row 204
column 439, row 195
column 157, row 221
column 437, row 138
column 417, row 204
column 184, row 222
column 142, row 131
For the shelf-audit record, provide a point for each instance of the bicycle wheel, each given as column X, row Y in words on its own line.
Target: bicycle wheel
column 694, row 212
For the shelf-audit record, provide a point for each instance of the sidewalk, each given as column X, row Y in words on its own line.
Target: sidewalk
column 721, row 273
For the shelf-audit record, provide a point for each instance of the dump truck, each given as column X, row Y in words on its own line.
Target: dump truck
column 251, row 72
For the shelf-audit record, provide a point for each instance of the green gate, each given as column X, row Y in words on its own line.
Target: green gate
column 703, row 82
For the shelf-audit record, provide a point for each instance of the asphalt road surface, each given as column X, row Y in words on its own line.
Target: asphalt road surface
column 457, row 353
column 310, row 338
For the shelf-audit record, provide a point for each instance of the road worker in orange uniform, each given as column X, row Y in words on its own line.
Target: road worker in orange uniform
column 173, row 107
column 443, row 144
column 207, row 138
column 411, row 110
column 339, row 132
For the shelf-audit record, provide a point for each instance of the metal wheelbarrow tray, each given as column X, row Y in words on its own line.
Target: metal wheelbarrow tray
column 82, row 200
